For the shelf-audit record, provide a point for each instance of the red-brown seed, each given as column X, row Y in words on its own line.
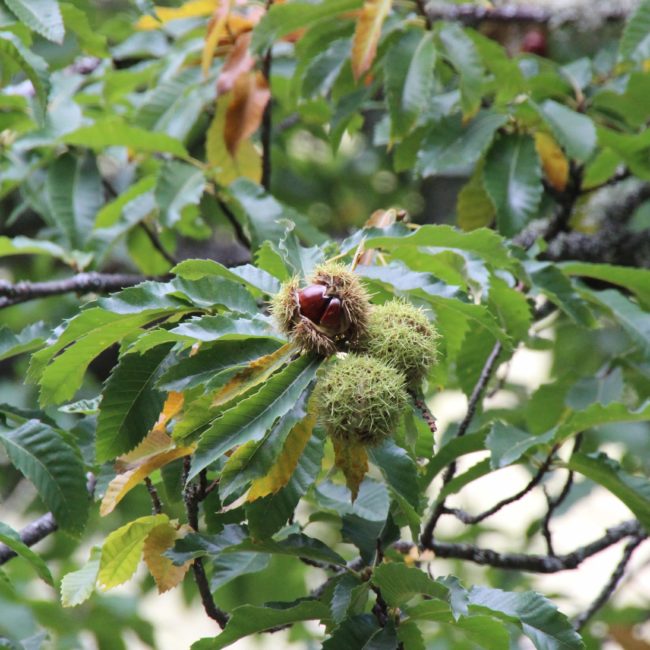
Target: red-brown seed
column 534, row 42
column 313, row 302
column 332, row 318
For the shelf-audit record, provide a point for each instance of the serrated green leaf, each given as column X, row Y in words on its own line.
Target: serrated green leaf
column 540, row 621
column 635, row 280
column 179, row 185
column 25, row 246
column 130, row 404
column 511, row 308
column 113, row 132
column 633, row 491
column 122, row 550
column 9, row 537
column 454, row 449
column 30, row 338
column 461, row 52
column 513, row 179
column 453, row 145
column 75, row 196
column 353, row 632
column 250, row 418
column 254, row 278
column 408, row 79
column 110, row 214
column 598, row 414
column 54, row 465
column 281, row 20
column 636, row 30
column 249, row 619
column 507, row 444
column 77, row 586
column 574, row 131
column 76, row 20
column 399, row 584
column 86, row 336
column 43, row 16
column 34, row 67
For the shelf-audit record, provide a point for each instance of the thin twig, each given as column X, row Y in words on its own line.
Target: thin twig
column 554, row 504
column 609, row 588
column 157, row 244
column 12, row 294
column 267, row 118
column 474, row 399
column 427, row 416
column 156, row 504
column 241, row 236
column 422, row 9
column 530, row 562
column 466, row 518
column 191, row 498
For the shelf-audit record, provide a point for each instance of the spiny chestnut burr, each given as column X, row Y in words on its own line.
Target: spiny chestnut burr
column 360, row 400
column 327, row 314
column 401, row 335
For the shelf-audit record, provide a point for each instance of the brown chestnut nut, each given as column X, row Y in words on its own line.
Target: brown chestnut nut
column 313, row 302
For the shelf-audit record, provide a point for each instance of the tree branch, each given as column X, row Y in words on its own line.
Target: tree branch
column 466, row 518
column 531, row 562
column 267, row 121
column 470, row 13
column 609, row 588
column 31, row 534
column 476, row 396
column 191, row 496
column 157, row 244
column 553, row 504
column 234, row 222
column 156, row 504
column 12, row 294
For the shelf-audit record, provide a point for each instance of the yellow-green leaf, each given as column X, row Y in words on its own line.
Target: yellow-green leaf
column 352, row 459
column 122, row 484
column 77, row 586
column 166, row 574
column 191, row 9
column 554, row 162
column 287, row 461
column 367, row 33
column 247, row 161
column 122, row 550
column 216, row 29
column 255, row 373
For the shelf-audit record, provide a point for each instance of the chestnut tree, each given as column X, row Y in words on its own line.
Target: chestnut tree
column 245, row 246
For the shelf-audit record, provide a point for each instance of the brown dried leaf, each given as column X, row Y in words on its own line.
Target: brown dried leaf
column 216, row 30
column 122, row 484
column 250, row 95
column 166, row 574
column 239, row 61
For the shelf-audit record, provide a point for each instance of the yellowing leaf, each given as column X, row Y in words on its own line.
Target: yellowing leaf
column 238, row 62
column 122, row 550
column 286, row 462
column 122, row 484
column 352, row 459
column 171, row 408
column 250, row 95
column 255, row 373
column 246, row 163
column 554, row 162
column 216, row 29
column 192, row 9
column 367, row 33
column 166, row 574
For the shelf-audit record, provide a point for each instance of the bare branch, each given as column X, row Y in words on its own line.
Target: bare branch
column 241, row 236
column 31, row 534
column 191, row 496
column 553, row 504
column 12, row 294
column 472, row 14
column 531, row 562
column 488, row 369
column 156, row 504
column 611, row 584
column 157, row 244
column 466, row 518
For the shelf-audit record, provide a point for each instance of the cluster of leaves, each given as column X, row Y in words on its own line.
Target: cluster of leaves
column 155, row 141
